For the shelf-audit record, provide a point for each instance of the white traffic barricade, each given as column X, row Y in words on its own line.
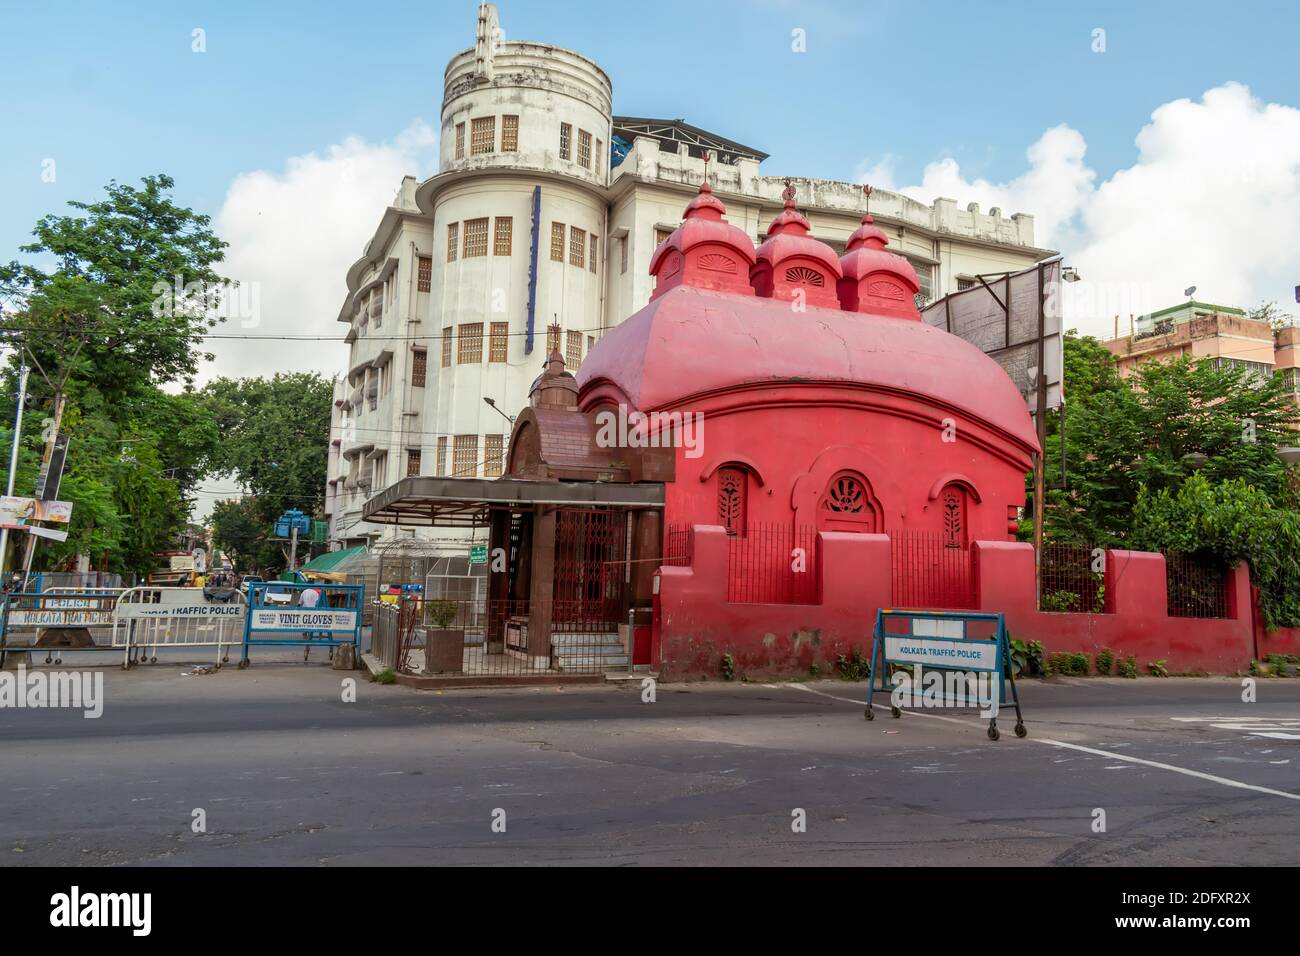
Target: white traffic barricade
column 147, row 619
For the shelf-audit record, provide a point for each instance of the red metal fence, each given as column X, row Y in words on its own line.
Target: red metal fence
column 679, row 546
column 1197, row 587
column 773, row 564
column 1069, row 581
column 928, row 573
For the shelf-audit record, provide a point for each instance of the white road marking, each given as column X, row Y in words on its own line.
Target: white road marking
column 1224, row 781
column 1276, row 728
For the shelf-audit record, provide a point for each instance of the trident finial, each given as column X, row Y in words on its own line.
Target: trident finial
column 867, row 191
column 708, row 157
column 788, row 194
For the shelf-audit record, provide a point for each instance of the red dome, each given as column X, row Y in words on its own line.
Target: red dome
column 691, row 342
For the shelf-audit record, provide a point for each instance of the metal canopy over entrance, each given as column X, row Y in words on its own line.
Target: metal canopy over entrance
column 460, row 502
column 566, row 564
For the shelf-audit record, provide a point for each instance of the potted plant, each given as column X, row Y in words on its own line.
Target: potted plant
column 444, row 646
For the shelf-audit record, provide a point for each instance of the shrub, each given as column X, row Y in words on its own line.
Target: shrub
column 1128, row 667
column 1104, row 661
column 1158, row 669
column 440, row 613
column 853, row 667
column 728, row 667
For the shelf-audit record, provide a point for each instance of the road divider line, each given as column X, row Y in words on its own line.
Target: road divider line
column 1200, row 775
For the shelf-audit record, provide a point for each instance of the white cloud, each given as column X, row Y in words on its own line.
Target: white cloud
column 1212, row 200
column 292, row 236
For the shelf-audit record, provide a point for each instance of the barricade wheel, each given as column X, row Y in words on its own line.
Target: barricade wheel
column 226, row 659
column 154, row 659
column 868, row 714
column 993, row 730
column 895, row 712
column 58, row 660
column 243, row 665
column 49, row 660
column 1021, row 731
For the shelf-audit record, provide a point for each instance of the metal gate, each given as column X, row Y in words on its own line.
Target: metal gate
column 591, row 570
column 930, row 573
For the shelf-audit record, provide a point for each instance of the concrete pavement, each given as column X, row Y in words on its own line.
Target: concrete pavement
column 286, row 772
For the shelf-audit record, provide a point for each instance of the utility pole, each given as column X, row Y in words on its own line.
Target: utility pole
column 293, row 548
column 60, row 401
column 13, row 461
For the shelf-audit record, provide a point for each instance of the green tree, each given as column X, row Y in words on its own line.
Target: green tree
column 102, row 331
column 1166, row 423
column 114, row 291
column 1230, row 521
column 274, row 440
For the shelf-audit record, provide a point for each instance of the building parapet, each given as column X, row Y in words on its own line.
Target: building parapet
column 648, row 162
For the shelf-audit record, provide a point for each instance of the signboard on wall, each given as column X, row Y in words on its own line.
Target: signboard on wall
column 1001, row 317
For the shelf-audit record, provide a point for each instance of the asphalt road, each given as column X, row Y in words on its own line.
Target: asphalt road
column 286, row 772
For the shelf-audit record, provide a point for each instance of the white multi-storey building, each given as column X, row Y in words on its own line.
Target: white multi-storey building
column 536, row 234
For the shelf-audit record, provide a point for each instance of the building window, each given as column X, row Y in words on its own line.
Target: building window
column 552, row 339
column 925, row 276
column 566, row 140
column 573, row 349
column 379, row 471
column 591, row 258
column 464, row 456
column 953, row 503
column 423, row 273
column 476, row 238
column 557, row 242
column 848, row 505
column 622, row 254
column 501, row 239
column 584, row 149
column 446, row 346
column 509, row 134
column 577, row 245
column 442, row 455
column 419, row 367
column 493, row 445
column 591, row 342
column 469, row 343
column 732, row 500
column 460, row 140
column 600, row 157
column 498, row 344
column 661, row 235
column 964, row 283
column 453, row 240
column 482, row 135
column 412, row 462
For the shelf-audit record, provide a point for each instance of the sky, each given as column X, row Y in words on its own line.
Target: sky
column 1157, row 144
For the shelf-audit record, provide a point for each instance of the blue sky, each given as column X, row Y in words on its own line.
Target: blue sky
column 113, row 90
column 268, row 129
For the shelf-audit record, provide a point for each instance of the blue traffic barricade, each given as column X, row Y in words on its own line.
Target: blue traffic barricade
column 279, row 615
column 970, row 646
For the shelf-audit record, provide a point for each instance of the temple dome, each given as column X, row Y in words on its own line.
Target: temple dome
column 705, row 251
column 875, row 280
column 693, row 343
column 792, row 264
